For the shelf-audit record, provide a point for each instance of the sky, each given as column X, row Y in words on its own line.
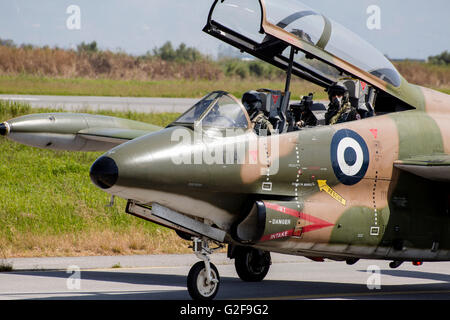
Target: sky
column 413, row 29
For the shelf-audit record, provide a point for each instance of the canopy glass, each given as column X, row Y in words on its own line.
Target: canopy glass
column 265, row 28
column 217, row 109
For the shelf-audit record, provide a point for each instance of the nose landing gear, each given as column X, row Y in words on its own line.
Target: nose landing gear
column 203, row 280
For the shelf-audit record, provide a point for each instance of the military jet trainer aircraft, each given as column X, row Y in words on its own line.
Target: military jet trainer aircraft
column 373, row 188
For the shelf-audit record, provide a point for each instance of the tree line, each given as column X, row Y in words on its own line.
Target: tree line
column 228, row 63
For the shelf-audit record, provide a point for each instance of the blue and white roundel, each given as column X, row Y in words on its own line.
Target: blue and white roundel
column 349, row 157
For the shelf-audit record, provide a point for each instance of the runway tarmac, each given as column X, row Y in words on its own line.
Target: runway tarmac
column 77, row 103
column 164, row 277
column 81, row 103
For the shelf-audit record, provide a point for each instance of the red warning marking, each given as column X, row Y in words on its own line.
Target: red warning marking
column 278, row 235
column 316, row 223
column 275, row 99
column 374, row 132
column 363, row 85
column 289, row 211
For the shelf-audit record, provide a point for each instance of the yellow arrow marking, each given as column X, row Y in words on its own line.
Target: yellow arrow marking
column 323, row 186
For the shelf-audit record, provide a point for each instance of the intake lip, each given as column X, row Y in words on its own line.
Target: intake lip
column 4, row 129
column 104, row 172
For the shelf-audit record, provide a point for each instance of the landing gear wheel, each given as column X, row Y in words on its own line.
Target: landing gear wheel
column 252, row 265
column 197, row 282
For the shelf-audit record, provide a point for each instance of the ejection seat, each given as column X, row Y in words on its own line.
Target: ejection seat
column 362, row 97
column 271, row 101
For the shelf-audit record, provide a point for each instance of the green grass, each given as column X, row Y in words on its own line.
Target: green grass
column 48, row 205
column 34, row 85
column 27, row 84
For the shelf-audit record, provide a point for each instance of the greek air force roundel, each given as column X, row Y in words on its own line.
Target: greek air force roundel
column 349, row 157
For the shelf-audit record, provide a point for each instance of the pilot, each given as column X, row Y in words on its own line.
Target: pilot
column 260, row 121
column 339, row 110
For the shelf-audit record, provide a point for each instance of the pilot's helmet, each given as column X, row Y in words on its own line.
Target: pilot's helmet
column 252, row 101
column 338, row 89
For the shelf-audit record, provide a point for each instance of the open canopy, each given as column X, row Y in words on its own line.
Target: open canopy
column 326, row 51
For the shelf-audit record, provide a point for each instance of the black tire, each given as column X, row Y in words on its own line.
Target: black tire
column 252, row 265
column 197, row 287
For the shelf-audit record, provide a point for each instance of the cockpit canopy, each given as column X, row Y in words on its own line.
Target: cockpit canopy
column 326, row 51
column 218, row 109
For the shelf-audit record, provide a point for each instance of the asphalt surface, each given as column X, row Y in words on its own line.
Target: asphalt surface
column 164, row 277
column 81, row 103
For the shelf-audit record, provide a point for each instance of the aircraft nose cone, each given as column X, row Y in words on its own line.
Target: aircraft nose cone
column 104, row 172
column 4, row 130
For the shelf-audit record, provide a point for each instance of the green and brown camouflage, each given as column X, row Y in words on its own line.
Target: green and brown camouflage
column 376, row 188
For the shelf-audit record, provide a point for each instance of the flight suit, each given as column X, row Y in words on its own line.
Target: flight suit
column 261, row 122
column 346, row 113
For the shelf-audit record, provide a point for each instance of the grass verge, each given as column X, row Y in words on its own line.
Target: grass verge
column 34, row 85
column 49, row 207
column 27, row 84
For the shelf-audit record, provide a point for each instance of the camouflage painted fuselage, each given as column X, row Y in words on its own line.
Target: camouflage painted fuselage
column 388, row 213
column 335, row 192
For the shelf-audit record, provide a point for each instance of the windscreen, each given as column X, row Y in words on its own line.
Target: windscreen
column 198, row 109
column 226, row 113
column 219, row 110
